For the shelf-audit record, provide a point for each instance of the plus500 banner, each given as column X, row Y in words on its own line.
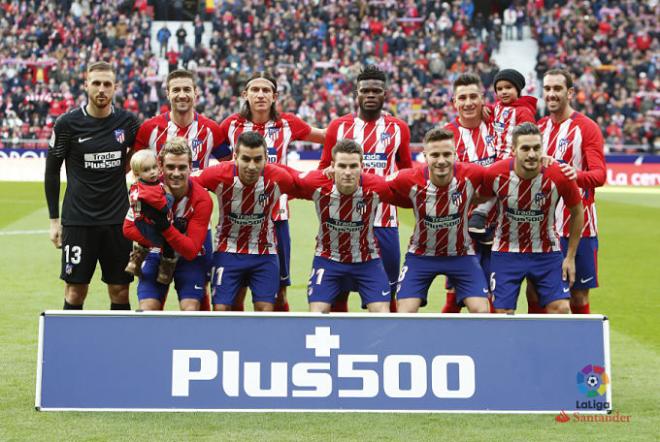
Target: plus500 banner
column 309, row 362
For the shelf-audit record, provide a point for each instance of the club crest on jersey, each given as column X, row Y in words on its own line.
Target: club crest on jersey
column 456, row 198
column 262, row 199
column 119, row 136
column 196, row 146
column 539, row 198
column 490, row 141
column 562, row 145
column 361, row 207
column 272, row 131
column 384, row 137
column 505, row 113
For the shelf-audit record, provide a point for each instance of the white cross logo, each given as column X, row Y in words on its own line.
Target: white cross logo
column 322, row 341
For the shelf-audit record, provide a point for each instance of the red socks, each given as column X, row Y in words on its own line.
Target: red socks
column 393, row 305
column 238, row 307
column 450, row 304
column 282, row 307
column 534, row 307
column 580, row 309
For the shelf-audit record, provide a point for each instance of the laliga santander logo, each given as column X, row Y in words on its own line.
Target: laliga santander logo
column 592, row 381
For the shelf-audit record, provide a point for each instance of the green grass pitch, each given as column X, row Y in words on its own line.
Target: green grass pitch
column 629, row 295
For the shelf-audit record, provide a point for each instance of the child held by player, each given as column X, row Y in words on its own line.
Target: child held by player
column 149, row 190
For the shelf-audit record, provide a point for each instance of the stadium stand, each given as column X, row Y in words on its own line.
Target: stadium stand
column 316, row 52
column 612, row 49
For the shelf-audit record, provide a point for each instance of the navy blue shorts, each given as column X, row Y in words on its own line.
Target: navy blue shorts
column 418, row 272
column 586, row 262
column 329, row 277
column 283, row 251
column 189, row 279
column 543, row 269
column 234, row 270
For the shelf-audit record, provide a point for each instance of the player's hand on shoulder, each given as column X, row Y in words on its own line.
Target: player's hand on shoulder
column 329, row 172
column 547, row 161
column 569, row 171
column 55, row 233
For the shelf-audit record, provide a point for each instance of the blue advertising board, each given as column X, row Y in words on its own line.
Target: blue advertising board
column 171, row 361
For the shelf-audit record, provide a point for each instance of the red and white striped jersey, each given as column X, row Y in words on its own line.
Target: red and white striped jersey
column 508, row 116
column 244, row 222
column 441, row 213
column 386, row 146
column 577, row 141
column 278, row 134
column 203, row 137
column 475, row 145
column 526, row 218
column 346, row 222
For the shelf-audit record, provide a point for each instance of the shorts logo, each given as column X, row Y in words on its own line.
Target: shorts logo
column 361, row 207
column 592, row 381
column 456, row 198
column 119, row 136
column 68, row 269
column 562, row 145
column 539, row 198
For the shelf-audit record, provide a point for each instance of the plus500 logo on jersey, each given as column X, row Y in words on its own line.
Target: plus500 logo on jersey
column 365, row 373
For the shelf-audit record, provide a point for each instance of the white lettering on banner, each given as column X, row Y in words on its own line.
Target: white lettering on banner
column 646, row 179
column 315, row 379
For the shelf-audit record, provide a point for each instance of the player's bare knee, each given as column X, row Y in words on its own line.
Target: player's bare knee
column 263, row 307
column 408, row 305
column 75, row 294
column 150, row 304
column 118, row 293
column 320, row 307
column 378, row 307
column 561, row 307
column 221, row 307
column 189, row 305
column 477, row 305
column 504, row 310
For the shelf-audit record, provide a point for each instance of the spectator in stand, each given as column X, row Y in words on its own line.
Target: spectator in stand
column 163, row 37
column 181, row 35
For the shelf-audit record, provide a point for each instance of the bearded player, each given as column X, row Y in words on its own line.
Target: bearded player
column 574, row 139
column 202, row 134
column 259, row 114
column 385, row 141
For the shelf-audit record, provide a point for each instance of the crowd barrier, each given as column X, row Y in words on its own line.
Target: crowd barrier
column 198, row 361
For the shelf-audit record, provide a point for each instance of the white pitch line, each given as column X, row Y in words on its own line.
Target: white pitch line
column 22, row 232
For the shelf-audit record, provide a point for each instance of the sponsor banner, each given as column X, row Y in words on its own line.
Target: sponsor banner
column 622, row 174
column 171, row 361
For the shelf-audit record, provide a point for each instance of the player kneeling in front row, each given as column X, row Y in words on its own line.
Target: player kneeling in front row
column 526, row 244
column 347, row 253
column 187, row 234
column 440, row 193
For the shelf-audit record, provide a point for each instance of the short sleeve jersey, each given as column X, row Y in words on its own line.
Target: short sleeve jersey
column 346, row 222
column 244, row 222
column 441, row 212
column 94, row 151
column 279, row 134
column 203, row 136
column 526, row 218
column 386, row 146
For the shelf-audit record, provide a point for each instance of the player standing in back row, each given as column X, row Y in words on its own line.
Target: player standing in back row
column 203, row 135
column 93, row 140
column 575, row 139
column 259, row 114
column 385, row 141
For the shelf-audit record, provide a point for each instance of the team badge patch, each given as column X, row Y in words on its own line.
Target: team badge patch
column 68, row 269
column 539, row 198
column 456, row 198
column 196, row 146
column 119, row 136
column 272, row 131
column 361, row 207
column 562, row 145
column 505, row 113
column 263, row 199
column 385, row 137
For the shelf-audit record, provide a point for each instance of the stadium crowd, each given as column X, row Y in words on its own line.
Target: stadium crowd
column 314, row 50
column 317, row 51
column 612, row 50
